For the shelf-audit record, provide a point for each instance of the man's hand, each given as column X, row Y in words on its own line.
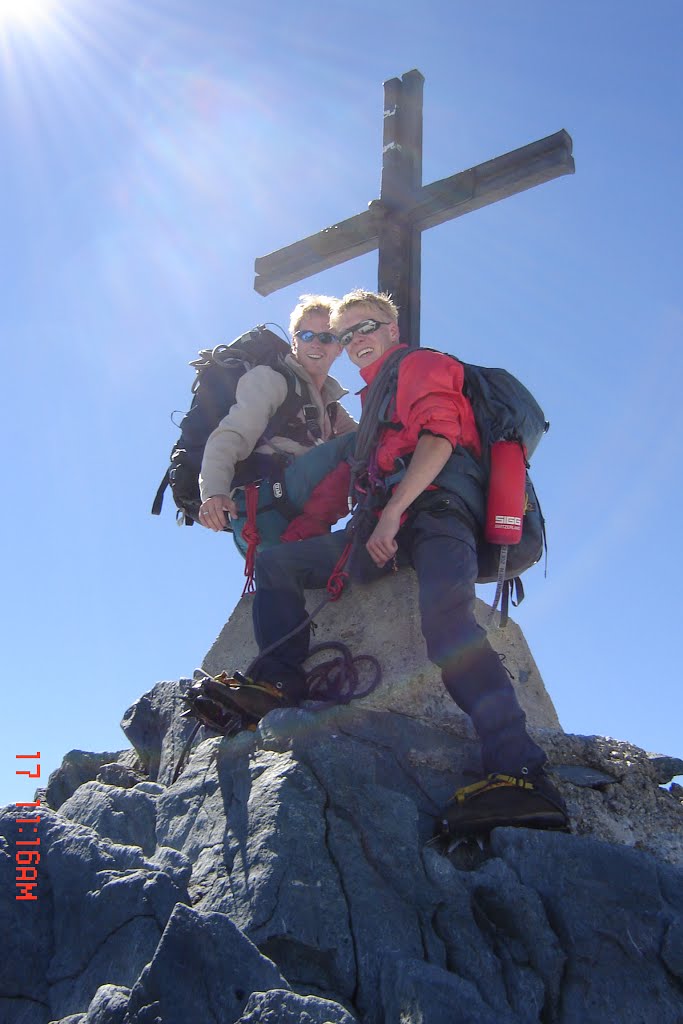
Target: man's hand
column 212, row 512
column 382, row 545
column 430, row 456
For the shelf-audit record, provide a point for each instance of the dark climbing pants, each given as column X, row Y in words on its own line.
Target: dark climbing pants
column 442, row 550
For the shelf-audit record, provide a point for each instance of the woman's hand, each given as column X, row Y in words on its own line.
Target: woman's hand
column 212, row 512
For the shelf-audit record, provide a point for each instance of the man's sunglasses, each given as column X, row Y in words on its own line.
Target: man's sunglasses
column 326, row 337
column 364, row 327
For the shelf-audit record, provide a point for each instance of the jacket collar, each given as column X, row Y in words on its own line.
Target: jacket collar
column 369, row 373
column 332, row 390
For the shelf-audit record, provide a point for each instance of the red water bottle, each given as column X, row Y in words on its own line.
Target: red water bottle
column 507, row 493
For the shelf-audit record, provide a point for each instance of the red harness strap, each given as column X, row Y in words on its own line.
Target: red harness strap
column 251, row 535
column 339, row 578
column 337, row 581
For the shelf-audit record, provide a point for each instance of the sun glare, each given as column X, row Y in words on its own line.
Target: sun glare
column 25, row 14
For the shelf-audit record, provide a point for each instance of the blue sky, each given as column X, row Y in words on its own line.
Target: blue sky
column 151, row 150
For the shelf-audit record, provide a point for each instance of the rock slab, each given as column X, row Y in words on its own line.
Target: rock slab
column 290, row 875
column 383, row 620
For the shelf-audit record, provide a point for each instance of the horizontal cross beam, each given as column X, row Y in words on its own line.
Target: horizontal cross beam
column 434, row 204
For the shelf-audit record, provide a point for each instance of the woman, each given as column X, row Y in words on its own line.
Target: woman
column 260, row 393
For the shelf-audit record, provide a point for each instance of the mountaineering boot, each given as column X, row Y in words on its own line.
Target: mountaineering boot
column 252, row 699
column 529, row 801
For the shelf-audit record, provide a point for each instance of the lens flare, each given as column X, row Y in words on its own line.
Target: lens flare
column 26, row 14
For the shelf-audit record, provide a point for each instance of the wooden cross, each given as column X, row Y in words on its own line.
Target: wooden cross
column 394, row 222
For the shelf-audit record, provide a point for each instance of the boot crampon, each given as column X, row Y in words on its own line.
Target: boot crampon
column 232, row 703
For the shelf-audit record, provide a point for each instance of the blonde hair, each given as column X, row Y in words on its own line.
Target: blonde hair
column 382, row 303
column 311, row 304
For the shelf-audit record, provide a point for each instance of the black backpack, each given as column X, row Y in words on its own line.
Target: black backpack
column 218, row 371
column 504, row 409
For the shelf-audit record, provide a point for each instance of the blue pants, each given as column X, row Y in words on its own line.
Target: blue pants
column 442, row 550
column 299, row 479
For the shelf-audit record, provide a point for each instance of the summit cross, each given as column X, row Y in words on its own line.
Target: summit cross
column 394, row 223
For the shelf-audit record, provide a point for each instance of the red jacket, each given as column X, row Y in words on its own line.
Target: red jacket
column 429, row 399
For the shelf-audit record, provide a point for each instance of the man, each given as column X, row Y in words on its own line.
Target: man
column 260, row 393
column 431, row 513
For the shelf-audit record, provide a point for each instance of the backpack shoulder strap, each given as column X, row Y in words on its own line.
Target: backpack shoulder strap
column 332, row 412
column 378, row 398
column 159, row 497
column 286, row 421
column 387, row 403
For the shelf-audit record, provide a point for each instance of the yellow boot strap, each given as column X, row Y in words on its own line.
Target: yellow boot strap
column 493, row 781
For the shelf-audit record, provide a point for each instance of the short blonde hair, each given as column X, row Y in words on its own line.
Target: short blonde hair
column 381, row 301
column 311, row 304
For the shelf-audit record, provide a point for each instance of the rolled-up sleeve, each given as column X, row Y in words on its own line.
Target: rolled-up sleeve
column 429, row 397
column 260, row 393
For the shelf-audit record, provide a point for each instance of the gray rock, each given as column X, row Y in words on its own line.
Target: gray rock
column 468, row 953
column 157, row 732
column 153, row 788
column 263, row 885
column 26, row 928
column 173, row 863
column 16, row 1010
column 282, row 1007
column 119, row 775
column 522, row 938
column 109, row 1005
column 665, row 767
column 412, row 990
column 498, row 938
column 100, row 912
column 40, row 795
column 306, row 850
column 410, row 685
column 125, row 816
column 204, row 969
column 635, row 812
column 77, row 767
column 308, row 833
column 579, row 775
column 672, row 949
column 607, row 909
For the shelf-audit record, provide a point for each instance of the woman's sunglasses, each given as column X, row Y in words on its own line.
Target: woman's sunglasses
column 364, row 327
column 326, row 337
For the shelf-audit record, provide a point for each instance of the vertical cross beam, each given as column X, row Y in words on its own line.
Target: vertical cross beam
column 399, row 239
column 393, row 223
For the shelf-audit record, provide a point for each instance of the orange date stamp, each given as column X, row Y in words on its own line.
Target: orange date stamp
column 27, row 855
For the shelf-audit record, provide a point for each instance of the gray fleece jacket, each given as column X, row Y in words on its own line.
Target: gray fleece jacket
column 260, row 393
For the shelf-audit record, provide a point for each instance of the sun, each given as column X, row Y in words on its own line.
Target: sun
column 25, row 14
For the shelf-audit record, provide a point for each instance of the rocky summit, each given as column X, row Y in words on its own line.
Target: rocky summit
column 290, row 876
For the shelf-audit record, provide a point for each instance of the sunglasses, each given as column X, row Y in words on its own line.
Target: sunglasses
column 325, row 337
column 364, row 327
